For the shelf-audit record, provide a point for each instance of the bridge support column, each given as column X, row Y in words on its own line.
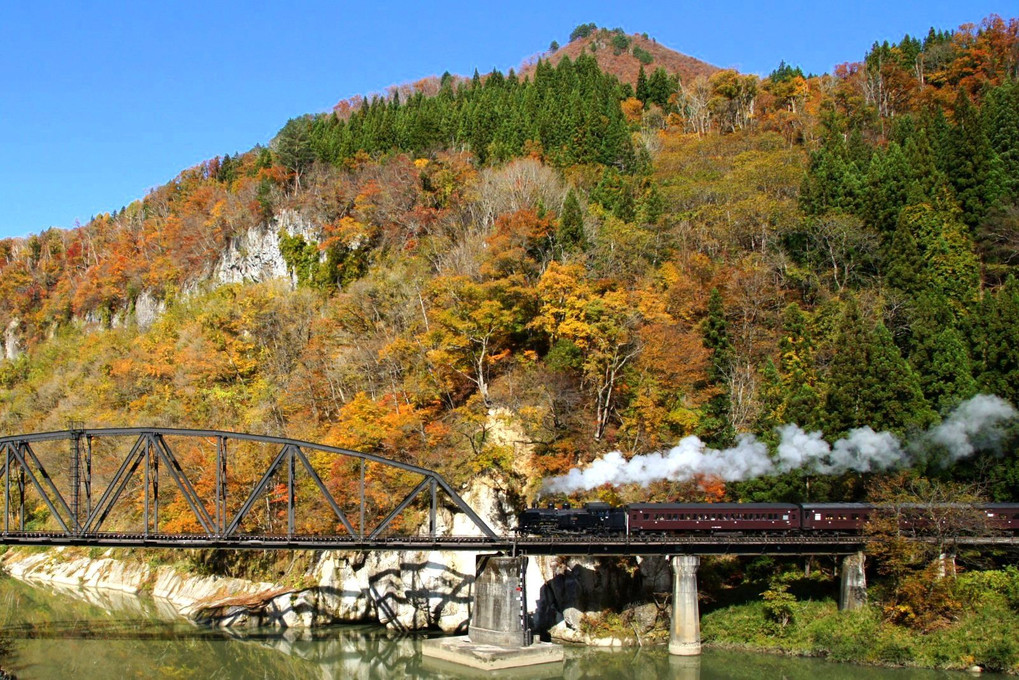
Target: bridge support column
column 946, row 564
column 499, row 615
column 853, row 592
column 499, row 636
column 685, row 636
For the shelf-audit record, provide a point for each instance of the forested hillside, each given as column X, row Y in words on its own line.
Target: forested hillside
column 515, row 273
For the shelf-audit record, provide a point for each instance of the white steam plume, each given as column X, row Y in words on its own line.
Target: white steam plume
column 975, row 424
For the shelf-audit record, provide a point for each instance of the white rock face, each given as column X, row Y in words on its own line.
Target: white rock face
column 401, row 590
column 413, row 590
column 53, row 567
column 147, row 309
column 573, row 588
column 12, row 340
column 255, row 256
column 186, row 592
column 505, row 429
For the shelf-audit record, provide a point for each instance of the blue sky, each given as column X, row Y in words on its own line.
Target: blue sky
column 103, row 100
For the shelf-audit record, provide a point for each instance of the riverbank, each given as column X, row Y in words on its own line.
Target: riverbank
column 61, row 633
column 983, row 636
column 589, row 601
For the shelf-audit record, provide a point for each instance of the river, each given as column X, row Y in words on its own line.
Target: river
column 79, row 634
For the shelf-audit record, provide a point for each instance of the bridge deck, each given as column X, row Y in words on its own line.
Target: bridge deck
column 560, row 545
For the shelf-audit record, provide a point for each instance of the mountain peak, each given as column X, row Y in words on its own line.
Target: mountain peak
column 622, row 55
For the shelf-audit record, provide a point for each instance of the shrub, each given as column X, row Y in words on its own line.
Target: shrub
column 1001, row 654
column 779, row 604
column 643, row 55
column 924, row 601
column 582, row 31
column 844, row 636
column 977, row 585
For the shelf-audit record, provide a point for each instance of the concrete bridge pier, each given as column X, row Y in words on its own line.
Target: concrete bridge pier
column 685, row 635
column 499, row 636
column 853, row 591
column 946, row 564
column 499, row 615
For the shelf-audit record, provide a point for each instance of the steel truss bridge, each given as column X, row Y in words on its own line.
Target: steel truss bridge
column 99, row 485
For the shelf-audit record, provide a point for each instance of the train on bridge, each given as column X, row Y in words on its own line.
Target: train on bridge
column 691, row 519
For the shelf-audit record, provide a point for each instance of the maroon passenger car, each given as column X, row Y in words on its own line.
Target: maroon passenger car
column 712, row 517
column 851, row 517
column 1003, row 516
column 836, row 517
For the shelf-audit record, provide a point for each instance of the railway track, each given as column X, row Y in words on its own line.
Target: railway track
column 523, row 545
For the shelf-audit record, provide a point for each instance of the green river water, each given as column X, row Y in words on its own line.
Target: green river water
column 76, row 634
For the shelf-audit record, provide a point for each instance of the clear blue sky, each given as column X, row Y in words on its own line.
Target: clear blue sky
column 103, row 100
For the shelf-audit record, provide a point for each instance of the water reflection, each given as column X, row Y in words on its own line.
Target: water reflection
column 66, row 632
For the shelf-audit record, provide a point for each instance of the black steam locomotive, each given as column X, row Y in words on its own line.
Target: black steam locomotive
column 602, row 519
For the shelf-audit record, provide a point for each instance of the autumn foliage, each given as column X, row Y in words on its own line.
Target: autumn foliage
column 511, row 275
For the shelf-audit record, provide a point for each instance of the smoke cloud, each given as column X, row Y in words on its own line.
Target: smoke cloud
column 975, row 425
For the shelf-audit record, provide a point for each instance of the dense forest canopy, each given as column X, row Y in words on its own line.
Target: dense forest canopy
column 514, row 274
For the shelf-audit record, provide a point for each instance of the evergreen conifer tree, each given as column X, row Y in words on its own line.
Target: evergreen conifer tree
column 948, row 265
column 903, row 261
column 642, row 92
column 868, row 381
column 970, row 162
column 1001, row 125
column 772, row 400
column 938, row 353
column 886, row 189
column 832, row 182
column 802, row 400
column 716, row 426
column 570, row 234
column 927, row 184
column 651, row 206
column 660, row 87
column 994, row 340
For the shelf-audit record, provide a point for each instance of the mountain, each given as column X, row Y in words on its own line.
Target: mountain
column 516, row 276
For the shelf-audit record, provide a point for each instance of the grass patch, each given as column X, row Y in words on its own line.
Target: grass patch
column 983, row 636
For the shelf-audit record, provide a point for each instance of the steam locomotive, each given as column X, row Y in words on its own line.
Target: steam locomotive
column 636, row 519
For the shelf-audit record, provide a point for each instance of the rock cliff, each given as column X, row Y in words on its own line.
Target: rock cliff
column 255, row 255
column 570, row 599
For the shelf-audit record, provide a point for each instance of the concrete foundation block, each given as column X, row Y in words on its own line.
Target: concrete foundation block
column 514, row 662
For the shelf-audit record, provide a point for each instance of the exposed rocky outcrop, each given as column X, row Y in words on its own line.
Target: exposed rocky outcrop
column 187, row 592
column 147, row 309
column 255, row 255
column 12, row 340
column 400, row 590
column 600, row 601
column 251, row 257
column 568, row 597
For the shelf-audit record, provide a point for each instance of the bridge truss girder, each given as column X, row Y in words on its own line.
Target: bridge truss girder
column 79, row 518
